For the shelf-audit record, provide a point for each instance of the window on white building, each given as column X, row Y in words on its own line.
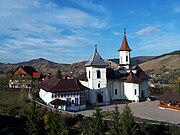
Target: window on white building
column 115, row 92
column 98, row 74
column 126, row 58
column 99, row 85
column 76, row 101
column 89, row 74
column 135, row 91
column 72, row 101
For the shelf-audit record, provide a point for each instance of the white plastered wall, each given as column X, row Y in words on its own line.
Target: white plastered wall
column 129, row 91
column 93, row 81
column 122, row 57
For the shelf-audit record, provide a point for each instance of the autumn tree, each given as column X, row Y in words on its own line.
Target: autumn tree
column 58, row 74
column 176, row 85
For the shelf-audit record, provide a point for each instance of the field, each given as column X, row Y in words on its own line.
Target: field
column 13, row 102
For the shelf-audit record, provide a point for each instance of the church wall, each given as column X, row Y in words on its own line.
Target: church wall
column 116, row 86
column 129, row 91
column 92, row 96
column 144, row 87
column 93, row 81
column 123, row 55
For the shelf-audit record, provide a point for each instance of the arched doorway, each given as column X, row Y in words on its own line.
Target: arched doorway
column 99, row 98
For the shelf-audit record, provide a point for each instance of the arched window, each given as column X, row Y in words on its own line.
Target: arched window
column 89, row 74
column 99, row 85
column 135, row 92
column 115, row 91
column 98, row 74
column 126, row 58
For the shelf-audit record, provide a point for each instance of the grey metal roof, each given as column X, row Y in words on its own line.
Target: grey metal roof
column 96, row 60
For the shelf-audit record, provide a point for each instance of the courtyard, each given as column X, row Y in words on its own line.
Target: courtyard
column 148, row 110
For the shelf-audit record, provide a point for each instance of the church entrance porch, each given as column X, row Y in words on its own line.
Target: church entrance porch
column 99, row 98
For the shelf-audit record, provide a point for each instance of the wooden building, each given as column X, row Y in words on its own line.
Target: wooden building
column 169, row 100
column 25, row 77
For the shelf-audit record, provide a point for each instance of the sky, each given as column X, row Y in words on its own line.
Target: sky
column 66, row 31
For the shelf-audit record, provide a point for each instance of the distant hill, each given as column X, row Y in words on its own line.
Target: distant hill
column 135, row 60
column 165, row 67
column 151, row 64
column 40, row 64
column 170, row 62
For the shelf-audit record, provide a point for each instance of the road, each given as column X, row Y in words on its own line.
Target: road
column 147, row 109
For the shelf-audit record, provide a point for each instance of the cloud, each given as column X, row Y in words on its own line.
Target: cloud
column 30, row 27
column 147, row 30
column 158, row 44
column 87, row 4
column 176, row 10
column 115, row 33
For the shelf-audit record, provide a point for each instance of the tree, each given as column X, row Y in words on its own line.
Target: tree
column 55, row 124
column 127, row 122
column 116, row 125
column 174, row 129
column 34, row 120
column 58, row 74
column 176, row 86
column 97, row 125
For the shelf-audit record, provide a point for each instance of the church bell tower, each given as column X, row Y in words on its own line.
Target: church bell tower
column 124, row 53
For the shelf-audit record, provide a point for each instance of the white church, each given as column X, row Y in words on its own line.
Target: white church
column 107, row 84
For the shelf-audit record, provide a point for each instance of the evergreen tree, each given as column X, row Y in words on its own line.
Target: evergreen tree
column 116, row 126
column 34, row 121
column 174, row 130
column 97, row 125
column 55, row 124
column 127, row 122
column 58, row 74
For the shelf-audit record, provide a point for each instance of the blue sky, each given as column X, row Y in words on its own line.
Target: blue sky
column 66, row 31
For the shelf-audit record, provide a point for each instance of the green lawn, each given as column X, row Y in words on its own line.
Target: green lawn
column 12, row 102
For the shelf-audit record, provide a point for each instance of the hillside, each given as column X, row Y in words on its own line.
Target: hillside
column 152, row 65
column 135, row 60
column 166, row 67
column 40, row 64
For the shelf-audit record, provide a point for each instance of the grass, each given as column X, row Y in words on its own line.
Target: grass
column 12, row 102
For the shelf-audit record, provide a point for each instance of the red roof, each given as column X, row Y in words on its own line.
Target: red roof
column 63, row 85
column 83, row 77
column 124, row 45
column 58, row 102
column 141, row 74
column 46, row 79
column 132, row 78
column 28, row 69
column 37, row 75
column 168, row 96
